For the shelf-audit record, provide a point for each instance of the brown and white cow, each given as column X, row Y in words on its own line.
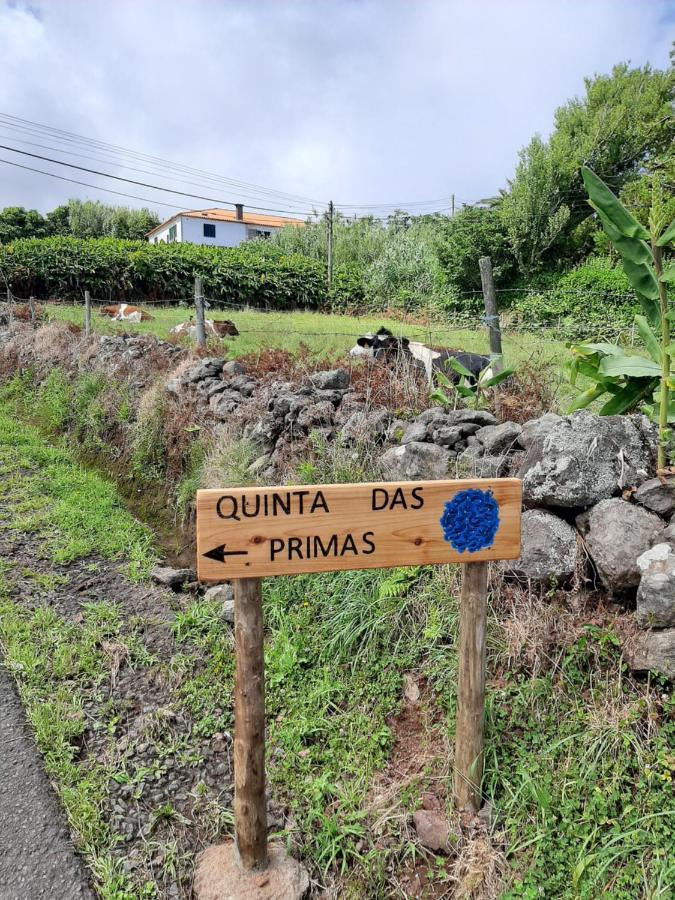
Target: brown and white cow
column 223, row 328
column 123, row 312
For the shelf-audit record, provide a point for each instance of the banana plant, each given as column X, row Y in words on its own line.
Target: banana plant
column 468, row 386
column 631, row 379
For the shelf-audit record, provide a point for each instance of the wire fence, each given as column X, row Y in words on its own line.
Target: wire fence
column 428, row 326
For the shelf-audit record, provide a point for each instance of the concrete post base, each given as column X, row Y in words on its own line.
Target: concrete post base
column 218, row 876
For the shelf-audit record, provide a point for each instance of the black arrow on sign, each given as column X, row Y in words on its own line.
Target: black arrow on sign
column 220, row 553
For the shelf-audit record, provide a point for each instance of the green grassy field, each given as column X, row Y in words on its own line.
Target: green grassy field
column 331, row 336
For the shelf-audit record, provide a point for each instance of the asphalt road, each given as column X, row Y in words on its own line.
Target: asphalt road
column 37, row 858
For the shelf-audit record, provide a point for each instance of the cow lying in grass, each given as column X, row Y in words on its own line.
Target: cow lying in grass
column 123, row 312
column 383, row 345
column 224, row 328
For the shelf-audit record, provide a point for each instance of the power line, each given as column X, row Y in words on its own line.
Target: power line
column 62, row 136
column 85, row 184
column 145, row 184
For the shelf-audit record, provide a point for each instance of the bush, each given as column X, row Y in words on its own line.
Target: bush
column 595, row 294
column 113, row 269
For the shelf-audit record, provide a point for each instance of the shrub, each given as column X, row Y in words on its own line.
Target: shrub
column 595, row 294
column 253, row 274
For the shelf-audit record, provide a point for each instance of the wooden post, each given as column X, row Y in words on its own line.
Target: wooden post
column 199, row 313
column 452, row 205
column 250, row 816
column 491, row 314
column 330, row 244
column 31, row 307
column 471, row 687
column 87, row 313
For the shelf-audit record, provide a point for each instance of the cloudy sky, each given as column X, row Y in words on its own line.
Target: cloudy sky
column 362, row 101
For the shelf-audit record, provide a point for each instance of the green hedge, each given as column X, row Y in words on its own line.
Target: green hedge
column 119, row 270
column 594, row 296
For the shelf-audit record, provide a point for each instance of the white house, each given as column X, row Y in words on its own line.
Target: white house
column 218, row 227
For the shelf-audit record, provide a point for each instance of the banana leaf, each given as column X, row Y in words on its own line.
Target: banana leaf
column 668, row 275
column 667, row 236
column 612, row 207
column 630, row 248
column 629, row 396
column 649, row 338
column 586, row 398
column 458, row 367
column 635, row 366
column 643, row 279
column 496, row 379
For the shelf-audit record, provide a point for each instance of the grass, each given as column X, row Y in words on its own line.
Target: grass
column 70, row 511
column 580, row 757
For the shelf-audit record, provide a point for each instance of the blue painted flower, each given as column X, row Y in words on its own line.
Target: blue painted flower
column 470, row 520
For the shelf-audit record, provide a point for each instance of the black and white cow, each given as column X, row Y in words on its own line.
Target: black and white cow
column 383, row 345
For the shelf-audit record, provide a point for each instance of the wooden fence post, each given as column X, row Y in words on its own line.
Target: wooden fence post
column 87, row 314
column 31, row 308
column 471, row 687
column 329, row 267
column 250, row 815
column 491, row 314
column 199, row 313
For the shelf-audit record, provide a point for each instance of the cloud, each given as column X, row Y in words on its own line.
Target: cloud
column 373, row 101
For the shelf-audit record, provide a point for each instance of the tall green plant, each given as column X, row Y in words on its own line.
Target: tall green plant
column 630, row 378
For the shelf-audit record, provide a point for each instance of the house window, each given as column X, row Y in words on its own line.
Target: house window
column 254, row 233
column 209, row 229
column 173, row 231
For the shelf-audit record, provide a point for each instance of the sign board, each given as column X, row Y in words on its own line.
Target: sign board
column 258, row 532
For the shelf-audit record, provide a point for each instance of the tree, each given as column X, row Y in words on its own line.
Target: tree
column 17, row 222
column 534, row 212
column 473, row 232
column 621, row 128
column 58, row 220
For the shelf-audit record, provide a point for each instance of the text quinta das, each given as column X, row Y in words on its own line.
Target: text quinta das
column 308, row 502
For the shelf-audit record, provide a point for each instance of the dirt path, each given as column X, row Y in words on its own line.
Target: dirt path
column 38, row 859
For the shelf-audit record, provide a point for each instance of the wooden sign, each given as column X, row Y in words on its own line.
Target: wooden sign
column 258, row 532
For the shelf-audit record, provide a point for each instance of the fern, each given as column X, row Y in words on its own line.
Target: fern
column 399, row 582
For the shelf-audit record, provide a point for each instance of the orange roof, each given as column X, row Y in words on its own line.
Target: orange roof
column 229, row 215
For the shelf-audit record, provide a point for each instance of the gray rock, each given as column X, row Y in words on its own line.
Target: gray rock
column 415, row 462
column 396, row 430
column 233, row 368
column 456, row 416
column 432, row 830
column 474, row 463
column 538, row 428
column 173, row 386
column 368, row 425
column 210, row 386
column 316, row 414
column 584, row 459
column 222, row 593
column 415, row 431
column 264, row 432
column 334, row 397
column 259, row 465
column 243, row 384
column 224, row 403
column 448, row 435
column 669, row 533
column 499, row 438
column 653, row 651
column 548, row 550
column 658, row 495
column 617, row 533
column 208, row 368
column 173, row 578
column 338, row 379
column 656, row 593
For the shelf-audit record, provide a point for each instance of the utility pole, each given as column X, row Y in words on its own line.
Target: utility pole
column 199, row 313
column 452, row 205
column 330, row 244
